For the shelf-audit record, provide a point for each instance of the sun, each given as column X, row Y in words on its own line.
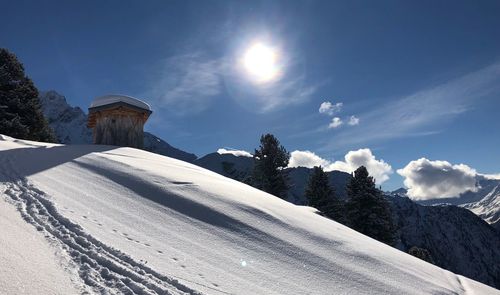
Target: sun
column 260, row 61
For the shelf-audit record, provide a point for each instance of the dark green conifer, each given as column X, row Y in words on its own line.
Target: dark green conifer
column 321, row 195
column 367, row 209
column 270, row 160
column 20, row 111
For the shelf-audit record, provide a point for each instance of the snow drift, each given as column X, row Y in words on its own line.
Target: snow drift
column 129, row 221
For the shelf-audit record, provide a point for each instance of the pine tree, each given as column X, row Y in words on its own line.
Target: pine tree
column 269, row 163
column 20, row 111
column 321, row 195
column 367, row 210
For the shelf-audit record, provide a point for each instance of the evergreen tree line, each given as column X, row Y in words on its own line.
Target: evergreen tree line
column 20, row 111
column 366, row 210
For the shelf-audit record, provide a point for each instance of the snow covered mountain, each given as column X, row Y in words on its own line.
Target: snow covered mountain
column 485, row 202
column 488, row 208
column 112, row 220
column 70, row 125
column 456, row 238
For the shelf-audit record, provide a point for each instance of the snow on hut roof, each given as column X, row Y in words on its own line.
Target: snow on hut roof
column 114, row 98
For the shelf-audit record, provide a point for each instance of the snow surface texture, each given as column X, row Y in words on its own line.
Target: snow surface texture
column 458, row 240
column 139, row 223
column 114, row 98
column 35, row 259
column 70, row 125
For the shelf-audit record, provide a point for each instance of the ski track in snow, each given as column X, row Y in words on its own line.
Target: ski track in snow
column 105, row 269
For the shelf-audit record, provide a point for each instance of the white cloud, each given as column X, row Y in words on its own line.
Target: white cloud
column 237, row 153
column 422, row 112
column 329, row 108
column 379, row 169
column 491, row 176
column 336, row 122
column 426, row 179
column 353, row 120
column 271, row 96
column 306, row 159
column 187, row 83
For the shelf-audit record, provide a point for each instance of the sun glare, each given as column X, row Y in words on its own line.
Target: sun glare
column 261, row 62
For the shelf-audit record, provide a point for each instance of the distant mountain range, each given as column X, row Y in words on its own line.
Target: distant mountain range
column 456, row 239
column 485, row 202
column 240, row 168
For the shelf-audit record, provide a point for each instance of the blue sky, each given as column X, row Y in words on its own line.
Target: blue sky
column 422, row 77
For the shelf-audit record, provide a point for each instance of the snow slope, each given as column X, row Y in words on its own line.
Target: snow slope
column 137, row 222
column 456, row 239
column 35, row 259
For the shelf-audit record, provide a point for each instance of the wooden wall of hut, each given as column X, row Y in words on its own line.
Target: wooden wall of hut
column 119, row 127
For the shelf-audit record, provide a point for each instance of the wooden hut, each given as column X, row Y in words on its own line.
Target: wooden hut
column 118, row 120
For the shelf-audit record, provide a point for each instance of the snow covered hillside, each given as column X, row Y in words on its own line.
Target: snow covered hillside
column 70, row 126
column 122, row 220
column 457, row 240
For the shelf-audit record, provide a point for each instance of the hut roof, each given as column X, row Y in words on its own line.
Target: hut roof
column 116, row 99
